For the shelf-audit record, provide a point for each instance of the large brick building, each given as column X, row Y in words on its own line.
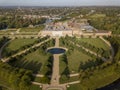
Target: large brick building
column 75, row 29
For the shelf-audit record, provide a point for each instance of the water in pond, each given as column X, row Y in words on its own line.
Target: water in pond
column 56, row 51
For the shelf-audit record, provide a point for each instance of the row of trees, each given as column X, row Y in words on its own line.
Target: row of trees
column 42, row 51
column 19, row 22
column 17, row 79
column 3, row 40
column 106, row 23
column 99, row 73
column 71, row 47
column 9, row 52
column 101, row 51
column 115, row 41
column 94, row 77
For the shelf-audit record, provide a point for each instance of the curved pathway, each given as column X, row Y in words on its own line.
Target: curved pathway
column 108, row 43
column 1, row 49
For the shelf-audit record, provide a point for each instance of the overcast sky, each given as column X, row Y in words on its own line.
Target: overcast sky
column 59, row 2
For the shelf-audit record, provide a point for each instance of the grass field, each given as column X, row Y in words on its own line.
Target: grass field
column 7, row 31
column 4, row 84
column 97, row 42
column 43, row 80
column 100, row 78
column 64, row 79
column 17, row 44
column 35, row 29
column 98, row 16
column 0, row 38
column 34, row 61
column 74, row 59
column 7, row 87
column 74, row 87
column 35, row 87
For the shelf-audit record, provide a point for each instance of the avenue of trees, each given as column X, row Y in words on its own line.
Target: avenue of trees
column 101, row 51
column 105, row 73
column 9, row 53
column 16, row 79
column 101, row 73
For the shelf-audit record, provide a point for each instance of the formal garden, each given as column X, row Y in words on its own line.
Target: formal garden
column 93, row 72
column 35, row 60
column 78, row 63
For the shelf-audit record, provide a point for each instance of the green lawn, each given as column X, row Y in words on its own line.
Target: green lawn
column 7, row 87
column 74, row 59
column 74, row 87
column 4, row 84
column 35, row 87
column 97, row 42
column 100, row 78
column 44, row 80
column 7, row 31
column 98, row 16
column 35, row 29
column 17, row 44
column 0, row 38
column 64, row 79
column 34, row 61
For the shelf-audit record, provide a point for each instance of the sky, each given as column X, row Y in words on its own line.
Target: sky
column 59, row 2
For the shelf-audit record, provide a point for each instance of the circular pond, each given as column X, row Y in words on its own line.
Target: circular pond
column 56, row 50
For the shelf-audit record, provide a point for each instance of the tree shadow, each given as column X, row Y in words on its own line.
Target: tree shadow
column 89, row 64
column 66, row 72
column 35, row 66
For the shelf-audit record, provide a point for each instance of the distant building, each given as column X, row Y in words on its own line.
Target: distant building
column 73, row 28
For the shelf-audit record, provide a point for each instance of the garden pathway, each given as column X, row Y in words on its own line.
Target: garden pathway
column 19, row 53
column 87, row 50
column 109, row 44
column 55, row 74
column 54, row 84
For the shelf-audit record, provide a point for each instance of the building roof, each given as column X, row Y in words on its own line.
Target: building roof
column 102, row 31
column 86, row 27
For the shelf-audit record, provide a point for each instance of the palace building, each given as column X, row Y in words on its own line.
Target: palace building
column 73, row 29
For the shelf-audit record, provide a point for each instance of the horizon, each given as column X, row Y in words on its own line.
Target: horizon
column 60, row 3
